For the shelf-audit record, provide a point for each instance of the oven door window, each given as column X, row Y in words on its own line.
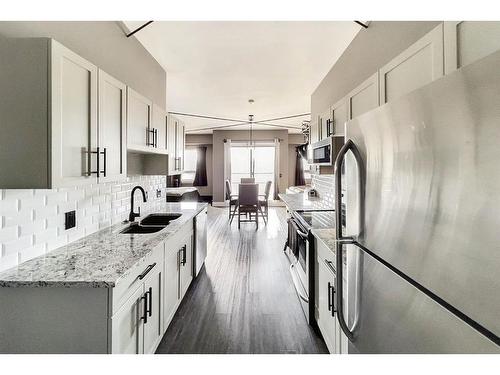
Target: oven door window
column 322, row 154
column 302, row 256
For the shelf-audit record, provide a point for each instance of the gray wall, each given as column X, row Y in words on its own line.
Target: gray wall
column 104, row 44
column 371, row 49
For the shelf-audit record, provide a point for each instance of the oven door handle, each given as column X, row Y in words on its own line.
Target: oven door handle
column 304, row 235
column 296, row 283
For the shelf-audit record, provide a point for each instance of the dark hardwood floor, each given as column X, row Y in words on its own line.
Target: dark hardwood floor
column 243, row 301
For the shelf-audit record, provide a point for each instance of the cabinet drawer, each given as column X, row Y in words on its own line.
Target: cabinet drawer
column 126, row 286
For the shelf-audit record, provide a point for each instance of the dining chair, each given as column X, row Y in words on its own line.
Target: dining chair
column 264, row 202
column 248, row 203
column 247, row 180
column 233, row 201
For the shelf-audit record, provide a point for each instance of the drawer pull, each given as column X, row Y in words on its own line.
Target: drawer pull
column 146, row 271
column 145, row 308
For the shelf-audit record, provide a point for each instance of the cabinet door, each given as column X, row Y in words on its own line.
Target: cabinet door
column 171, row 284
column 313, row 132
column 363, row 98
column 186, row 265
column 419, row 65
column 127, row 326
column 74, row 117
column 325, row 125
column 468, row 41
column 153, row 331
column 340, row 117
column 160, row 127
column 326, row 319
column 139, row 110
column 179, row 147
column 171, row 141
column 112, row 128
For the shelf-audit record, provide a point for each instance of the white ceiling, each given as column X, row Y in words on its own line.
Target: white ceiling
column 213, row 68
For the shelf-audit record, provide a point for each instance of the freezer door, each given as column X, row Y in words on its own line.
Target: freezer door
column 432, row 192
column 389, row 315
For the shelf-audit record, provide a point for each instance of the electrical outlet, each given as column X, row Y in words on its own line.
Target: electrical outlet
column 158, row 193
column 69, row 220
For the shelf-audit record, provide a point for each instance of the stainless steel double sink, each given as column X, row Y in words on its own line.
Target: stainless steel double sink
column 151, row 224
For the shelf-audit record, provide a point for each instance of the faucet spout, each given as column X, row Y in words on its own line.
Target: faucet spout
column 133, row 215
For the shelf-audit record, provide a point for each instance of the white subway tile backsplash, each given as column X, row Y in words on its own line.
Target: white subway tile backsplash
column 18, row 244
column 32, row 221
column 9, row 234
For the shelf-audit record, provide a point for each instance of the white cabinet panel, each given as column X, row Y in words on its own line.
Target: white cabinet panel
column 364, row 98
column 153, row 328
column 313, row 131
column 417, row 66
column 160, row 127
column 127, row 332
column 327, row 321
column 468, row 41
column 340, row 115
column 171, row 285
column 74, row 117
column 139, row 110
column 112, row 127
column 186, row 265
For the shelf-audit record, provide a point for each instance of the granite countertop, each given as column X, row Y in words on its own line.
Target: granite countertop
column 328, row 236
column 301, row 202
column 99, row 260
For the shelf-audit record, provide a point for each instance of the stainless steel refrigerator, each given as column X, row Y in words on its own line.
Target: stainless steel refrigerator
column 419, row 179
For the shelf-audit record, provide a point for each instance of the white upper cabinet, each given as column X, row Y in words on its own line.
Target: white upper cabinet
column 325, row 124
column 112, row 128
column 363, row 98
column 340, row 115
column 139, row 109
column 468, row 41
column 313, row 131
column 48, row 115
column 417, row 66
column 176, row 135
column 159, row 129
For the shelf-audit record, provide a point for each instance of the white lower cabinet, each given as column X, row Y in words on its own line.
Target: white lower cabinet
column 178, row 270
column 137, row 326
column 325, row 299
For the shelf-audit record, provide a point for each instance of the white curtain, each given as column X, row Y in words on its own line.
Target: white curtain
column 276, row 167
column 227, row 163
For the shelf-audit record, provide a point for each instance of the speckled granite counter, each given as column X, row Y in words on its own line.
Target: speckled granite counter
column 301, row 202
column 98, row 260
column 328, row 237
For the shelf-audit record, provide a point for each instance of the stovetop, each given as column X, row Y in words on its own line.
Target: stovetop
column 316, row 219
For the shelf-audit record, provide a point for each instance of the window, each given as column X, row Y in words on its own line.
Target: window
column 190, row 158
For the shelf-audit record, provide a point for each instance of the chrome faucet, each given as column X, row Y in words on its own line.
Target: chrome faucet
column 133, row 215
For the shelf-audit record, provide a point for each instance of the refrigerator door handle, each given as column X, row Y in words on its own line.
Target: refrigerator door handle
column 341, row 239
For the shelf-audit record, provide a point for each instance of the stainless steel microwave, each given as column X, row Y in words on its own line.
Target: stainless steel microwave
column 325, row 151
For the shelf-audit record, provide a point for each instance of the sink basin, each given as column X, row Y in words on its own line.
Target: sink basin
column 132, row 229
column 160, row 219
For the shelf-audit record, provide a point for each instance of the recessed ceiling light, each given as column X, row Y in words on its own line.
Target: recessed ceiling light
column 251, row 101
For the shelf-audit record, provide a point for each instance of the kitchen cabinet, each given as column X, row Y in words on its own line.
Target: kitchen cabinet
column 325, row 124
column 112, row 126
column 175, row 144
column 363, row 98
column 417, row 66
column 159, row 128
column 137, row 326
column 178, row 270
column 325, row 297
column 468, row 41
column 313, row 131
column 339, row 117
column 49, row 115
column 139, row 109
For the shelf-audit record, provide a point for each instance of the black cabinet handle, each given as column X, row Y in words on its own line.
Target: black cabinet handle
column 148, row 132
column 146, row 271
column 145, row 308
column 331, row 298
column 150, row 291
column 183, row 259
column 98, row 153
column 156, row 137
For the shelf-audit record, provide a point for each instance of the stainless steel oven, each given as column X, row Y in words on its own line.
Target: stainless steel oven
column 301, row 253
